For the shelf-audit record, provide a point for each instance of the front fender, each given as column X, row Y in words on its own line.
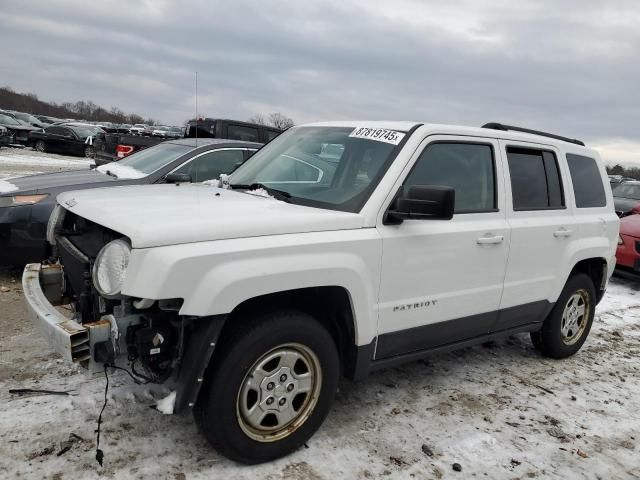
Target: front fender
column 215, row 277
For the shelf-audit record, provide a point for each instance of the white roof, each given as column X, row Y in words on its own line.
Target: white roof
column 452, row 130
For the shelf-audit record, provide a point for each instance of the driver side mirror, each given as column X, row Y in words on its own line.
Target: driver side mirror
column 422, row 202
column 177, row 178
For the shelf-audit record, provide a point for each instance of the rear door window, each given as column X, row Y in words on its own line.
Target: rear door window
column 242, row 132
column 210, row 165
column 587, row 181
column 270, row 135
column 535, row 179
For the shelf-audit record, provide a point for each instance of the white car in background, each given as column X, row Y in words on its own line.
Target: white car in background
column 160, row 131
column 138, row 129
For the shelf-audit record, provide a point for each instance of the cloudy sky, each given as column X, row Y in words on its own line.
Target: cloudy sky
column 566, row 66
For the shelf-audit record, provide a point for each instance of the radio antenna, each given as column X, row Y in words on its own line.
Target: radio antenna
column 196, row 109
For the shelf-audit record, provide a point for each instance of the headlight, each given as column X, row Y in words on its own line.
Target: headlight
column 54, row 220
column 620, row 241
column 21, row 200
column 110, row 268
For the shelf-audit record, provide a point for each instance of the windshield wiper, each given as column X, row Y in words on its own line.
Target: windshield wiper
column 111, row 174
column 274, row 192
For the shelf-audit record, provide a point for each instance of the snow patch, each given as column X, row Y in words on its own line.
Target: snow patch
column 260, row 192
column 166, row 404
column 33, row 160
column 7, row 187
column 122, row 171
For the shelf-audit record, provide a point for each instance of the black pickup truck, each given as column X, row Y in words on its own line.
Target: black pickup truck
column 111, row 147
column 225, row 128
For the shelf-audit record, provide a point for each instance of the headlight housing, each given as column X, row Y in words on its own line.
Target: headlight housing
column 110, row 268
column 54, row 220
column 17, row 200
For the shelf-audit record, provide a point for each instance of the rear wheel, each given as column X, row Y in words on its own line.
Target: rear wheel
column 567, row 326
column 40, row 146
column 270, row 388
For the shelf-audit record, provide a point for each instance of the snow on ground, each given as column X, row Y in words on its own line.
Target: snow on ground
column 16, row 162
column 500, row 410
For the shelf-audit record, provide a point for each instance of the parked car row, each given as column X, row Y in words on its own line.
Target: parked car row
column 26, row 202
column 113, row 147
column 17, row 130
column 336, row 250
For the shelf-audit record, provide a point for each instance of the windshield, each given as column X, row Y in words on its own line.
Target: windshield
column 328, row 167
column 6, row 119
column 151, row 159
column 625, row 190
column 86, row 131
column 26, row 117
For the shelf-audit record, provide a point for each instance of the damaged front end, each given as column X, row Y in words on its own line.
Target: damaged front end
column 100, row 326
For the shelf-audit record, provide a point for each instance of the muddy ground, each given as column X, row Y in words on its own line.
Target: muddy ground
column 498, row 410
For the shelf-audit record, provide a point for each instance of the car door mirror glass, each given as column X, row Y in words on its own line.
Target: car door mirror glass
column 177, row 178
column 422, row 202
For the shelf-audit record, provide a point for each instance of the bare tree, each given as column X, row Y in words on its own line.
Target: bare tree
column 258, row 118
column 280, row 121
column 276, row 119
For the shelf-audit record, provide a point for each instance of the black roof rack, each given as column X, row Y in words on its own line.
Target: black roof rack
column 500, row 126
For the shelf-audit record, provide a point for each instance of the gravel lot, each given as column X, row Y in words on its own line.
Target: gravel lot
column 499, row 410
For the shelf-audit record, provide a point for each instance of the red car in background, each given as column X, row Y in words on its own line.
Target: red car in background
column 628, row 253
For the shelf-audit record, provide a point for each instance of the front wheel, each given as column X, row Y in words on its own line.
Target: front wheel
column 270, row 387
column 89, row 151
column 567, row 326
column 40, row 146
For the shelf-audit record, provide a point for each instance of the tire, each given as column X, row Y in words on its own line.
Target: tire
column 40, row 146
column 89, row 151
column 230, row 394
column 565, row 330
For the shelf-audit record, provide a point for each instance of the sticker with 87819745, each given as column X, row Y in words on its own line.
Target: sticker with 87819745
column 379, row 134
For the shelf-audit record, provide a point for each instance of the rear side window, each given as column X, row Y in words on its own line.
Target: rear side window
column 587, row 181
column 55, row 130
column 535, row 179
column 240, row 132
column 270, row 135
column 467, row 167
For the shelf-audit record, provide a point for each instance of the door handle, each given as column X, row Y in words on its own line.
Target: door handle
column 563, row 232
column 489, row 239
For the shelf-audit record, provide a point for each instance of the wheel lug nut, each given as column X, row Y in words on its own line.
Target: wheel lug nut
column 269, row 400
column 283, row 378
column 270, row 386
column 289, row 387
column 282, row 401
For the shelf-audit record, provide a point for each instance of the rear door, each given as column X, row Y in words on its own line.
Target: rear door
column 69, row 142
column 54, row 138
column 542, row 226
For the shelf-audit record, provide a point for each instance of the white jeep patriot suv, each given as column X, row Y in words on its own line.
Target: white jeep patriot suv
column 338, row 249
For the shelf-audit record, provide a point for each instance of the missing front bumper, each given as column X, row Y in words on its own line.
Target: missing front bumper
column 67, row 337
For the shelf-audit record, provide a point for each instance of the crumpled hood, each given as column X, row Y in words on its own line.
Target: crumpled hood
column 156, row 215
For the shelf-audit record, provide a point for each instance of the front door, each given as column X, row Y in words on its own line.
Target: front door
column 442, row 279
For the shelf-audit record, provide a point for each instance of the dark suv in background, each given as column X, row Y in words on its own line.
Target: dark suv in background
column 224, row 128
